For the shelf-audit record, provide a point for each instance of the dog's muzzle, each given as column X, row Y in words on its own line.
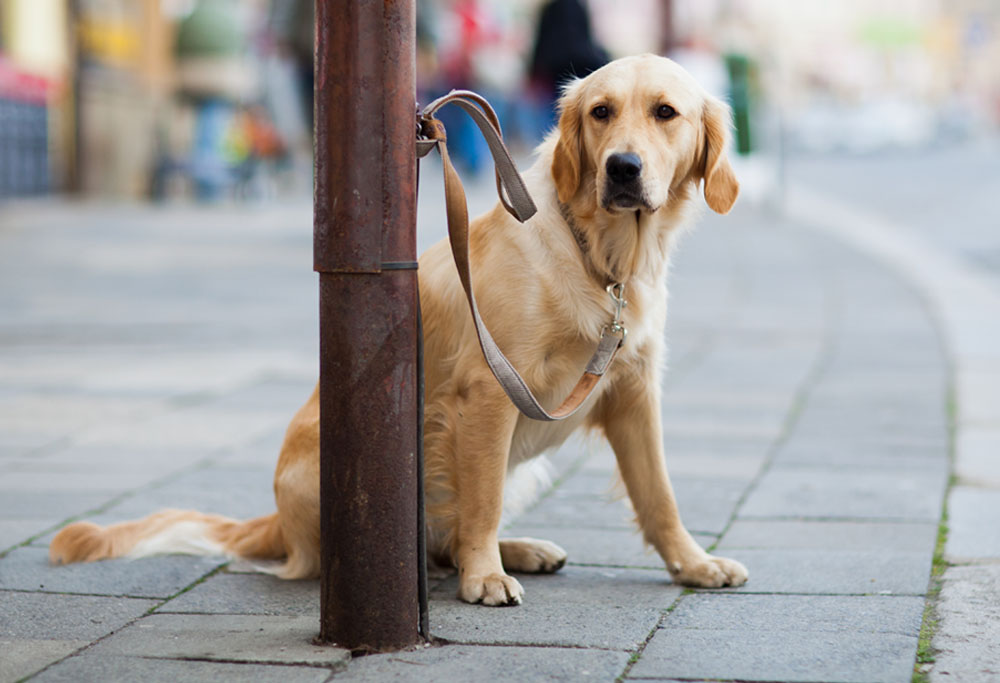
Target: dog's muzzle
column 623, row 187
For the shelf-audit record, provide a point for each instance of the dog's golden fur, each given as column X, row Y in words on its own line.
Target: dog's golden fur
column 541, row 291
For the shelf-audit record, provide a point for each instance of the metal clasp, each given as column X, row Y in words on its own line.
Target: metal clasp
column 616, row 290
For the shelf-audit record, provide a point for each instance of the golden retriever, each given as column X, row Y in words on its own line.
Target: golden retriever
column 613, row 183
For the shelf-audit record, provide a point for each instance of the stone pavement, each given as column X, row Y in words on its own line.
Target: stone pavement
column 965, row 299
column 151, row 357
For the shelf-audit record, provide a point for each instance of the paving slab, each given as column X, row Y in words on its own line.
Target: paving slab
column 604, row 608
column 28, row 569
column 45, row 616
column 879, row 384
column 833, row 572
column 754, row 420
column 228, row 593
column 21, row 658
column 717, row 444
column 566, row 509
column 814, row 613
column 274, row 395
column 588, row 500
column 107, row 481
column 866, row 422
column 968, row 631
column 865, row 457
column 224, row 637
column 787, row 656
column 57, row 505
column 858, row 536
column 465, row 663
column 847, row 452
column 709, row 465
column 185, row 429
column 240, row 491
column 834, row 494
column 14, row 532
column 591, row 483
column 707, row 504
column 973, row 524
column 88, row 667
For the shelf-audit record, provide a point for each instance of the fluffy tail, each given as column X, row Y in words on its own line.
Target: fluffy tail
column 170, row 531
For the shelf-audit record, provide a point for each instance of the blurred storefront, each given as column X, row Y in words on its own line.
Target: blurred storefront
column 858, row 75
column 33, row 71
column 140, row 98
column 104, row 91
column 122, row 82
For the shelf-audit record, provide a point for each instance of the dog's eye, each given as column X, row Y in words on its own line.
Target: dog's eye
column 600, row 112
column 665, row 112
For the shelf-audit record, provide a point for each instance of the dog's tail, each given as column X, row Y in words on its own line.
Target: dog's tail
column 171, row 531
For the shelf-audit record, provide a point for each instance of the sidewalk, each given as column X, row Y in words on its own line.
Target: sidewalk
column 152, row 358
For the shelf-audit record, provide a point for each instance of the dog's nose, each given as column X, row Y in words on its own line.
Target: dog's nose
column 623, row 168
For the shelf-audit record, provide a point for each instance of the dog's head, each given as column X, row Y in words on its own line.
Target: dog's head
column 635, row 130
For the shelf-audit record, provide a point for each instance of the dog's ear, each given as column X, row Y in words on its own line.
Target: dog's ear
column 721, row 186
column 566, row 159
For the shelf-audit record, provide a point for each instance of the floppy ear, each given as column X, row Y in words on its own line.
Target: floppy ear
column 566, row 159
column 721, row 186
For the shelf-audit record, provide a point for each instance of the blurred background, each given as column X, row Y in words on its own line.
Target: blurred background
column 210, row 99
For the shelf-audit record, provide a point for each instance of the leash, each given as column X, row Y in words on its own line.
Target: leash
column 517, row 201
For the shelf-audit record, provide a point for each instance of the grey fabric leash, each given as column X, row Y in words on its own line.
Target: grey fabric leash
column 517, row 201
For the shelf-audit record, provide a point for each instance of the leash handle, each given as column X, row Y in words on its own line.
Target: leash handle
column 517, row 201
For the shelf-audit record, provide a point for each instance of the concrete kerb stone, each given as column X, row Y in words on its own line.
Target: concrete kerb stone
column 978, row 447
column 970, row 616
column 974, row 525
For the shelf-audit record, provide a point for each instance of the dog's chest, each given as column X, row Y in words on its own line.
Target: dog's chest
column 640, row 356
column 532, row 437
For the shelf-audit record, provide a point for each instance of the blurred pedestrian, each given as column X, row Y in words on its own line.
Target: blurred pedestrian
column 213, row 75
column 565, row 49
column 292, row 27
column 471, row 26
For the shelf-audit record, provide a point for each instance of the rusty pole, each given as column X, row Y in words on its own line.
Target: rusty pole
column 365, row 252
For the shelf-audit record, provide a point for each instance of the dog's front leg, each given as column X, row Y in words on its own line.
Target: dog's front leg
column 485, row 427
column 630, row 414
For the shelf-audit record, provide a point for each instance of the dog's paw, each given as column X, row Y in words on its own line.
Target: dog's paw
column 709, row 572
column 531, row 555
column 492, row 589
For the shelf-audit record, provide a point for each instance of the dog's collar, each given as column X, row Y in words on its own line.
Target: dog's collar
column 604, row 278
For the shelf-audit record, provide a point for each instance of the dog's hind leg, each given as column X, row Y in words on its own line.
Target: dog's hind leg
column 531, row 555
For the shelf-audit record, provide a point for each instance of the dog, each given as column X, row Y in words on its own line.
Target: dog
column 614, row 183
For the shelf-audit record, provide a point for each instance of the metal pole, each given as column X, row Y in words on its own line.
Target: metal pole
column 365, row 252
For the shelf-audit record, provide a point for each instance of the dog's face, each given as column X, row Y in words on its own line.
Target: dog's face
column 635, row 130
